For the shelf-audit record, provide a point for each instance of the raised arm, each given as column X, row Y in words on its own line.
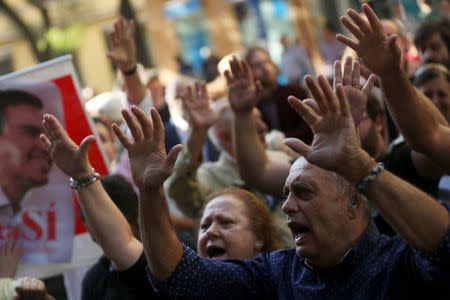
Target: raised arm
column 418, row 218
column 255, row 167
column 123, row 54
column 187, row 185
column 150, row 167
column 102, row 215
column 423, row 126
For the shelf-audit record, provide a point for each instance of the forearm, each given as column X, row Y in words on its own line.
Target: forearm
column 414, row 113
column 102, row 218
column 134, row 87
column 195, row 142
column 161, row 245
column 417, row 218
column 255, row 167
column 249, row 151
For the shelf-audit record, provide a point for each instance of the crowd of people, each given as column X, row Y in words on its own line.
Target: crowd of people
column 346, row 207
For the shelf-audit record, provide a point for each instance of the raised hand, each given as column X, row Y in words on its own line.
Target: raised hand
column 336, row 142
column 10, row 254
column 350, row 80
column 243, row 90
column 123, row 48
column 68, row 156
column 376, row 50
column 199, row 112
column 30, row 288
column 150, row 166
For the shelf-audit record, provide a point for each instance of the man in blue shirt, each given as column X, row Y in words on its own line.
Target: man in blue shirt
column 339, row 253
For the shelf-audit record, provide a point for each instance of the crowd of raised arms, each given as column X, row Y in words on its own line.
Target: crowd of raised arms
column 346, row 206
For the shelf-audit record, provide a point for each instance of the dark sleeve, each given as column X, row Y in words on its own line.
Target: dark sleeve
column 164, row 112
column 400, row 163
column 89, row 287
column 135, row 279
column 200, row 278
column 291, row 123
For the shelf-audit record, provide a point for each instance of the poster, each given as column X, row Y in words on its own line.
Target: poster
column 37, row 206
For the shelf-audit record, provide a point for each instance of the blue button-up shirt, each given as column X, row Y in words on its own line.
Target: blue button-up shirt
column 376, row 267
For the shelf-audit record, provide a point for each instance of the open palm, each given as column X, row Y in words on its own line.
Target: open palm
column 150, row 166
column 243, row 90
column 123, row 49
column 68, row 156
column 335, row 138
column 377, row 51
column 198, row 108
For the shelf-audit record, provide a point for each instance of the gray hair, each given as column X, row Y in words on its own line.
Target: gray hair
column 342, row 185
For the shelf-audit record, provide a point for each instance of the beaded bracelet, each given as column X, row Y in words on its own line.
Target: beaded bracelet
column 362, row 185
column 77, row 184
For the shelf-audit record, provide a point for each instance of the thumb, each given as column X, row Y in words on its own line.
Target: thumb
column 391, row 41
column 172, row 157
column 85, row 144
column 298, row 146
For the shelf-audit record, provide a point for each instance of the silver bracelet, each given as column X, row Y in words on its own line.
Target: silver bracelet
column 362, row 185
column 77, row 184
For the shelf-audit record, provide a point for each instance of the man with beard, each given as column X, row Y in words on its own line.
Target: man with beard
column 276, row 112
column 20, row 126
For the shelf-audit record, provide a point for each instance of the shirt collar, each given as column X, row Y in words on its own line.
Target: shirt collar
column 360, row 249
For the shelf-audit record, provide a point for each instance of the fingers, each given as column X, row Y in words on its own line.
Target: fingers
column 313, row 105
column 145, row 123
column 317, row 94
column 306, row 112
column 337, row 78
column 158, row 126
column 347, row 41
column 391, row 42
column 373, row 18
column 360, row 21
column 237, row 68
column 348, row 71
column 367, row 88
column 248, row 71
column 298, row 146
column 356, row 75
column 343, row 103
column 135, row 129
column 53, row 128
column 333, row 104
column 121, row 136
column 45, row 141
column 200, row 91
column 85, row 145
column 131, row 29
column 172, row 157
column 228, row 76
column 352, row 27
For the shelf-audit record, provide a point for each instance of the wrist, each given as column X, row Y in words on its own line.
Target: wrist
column 243, row 114
column 358, row 167
column 129, row 69
column 85, row 171
column 82, row 182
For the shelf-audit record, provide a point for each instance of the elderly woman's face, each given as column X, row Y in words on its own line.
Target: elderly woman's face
column 225, row 230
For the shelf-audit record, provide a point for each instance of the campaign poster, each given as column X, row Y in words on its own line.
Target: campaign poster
column 37, row 206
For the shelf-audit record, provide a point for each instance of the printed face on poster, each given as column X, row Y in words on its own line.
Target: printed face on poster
column 37, row 206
